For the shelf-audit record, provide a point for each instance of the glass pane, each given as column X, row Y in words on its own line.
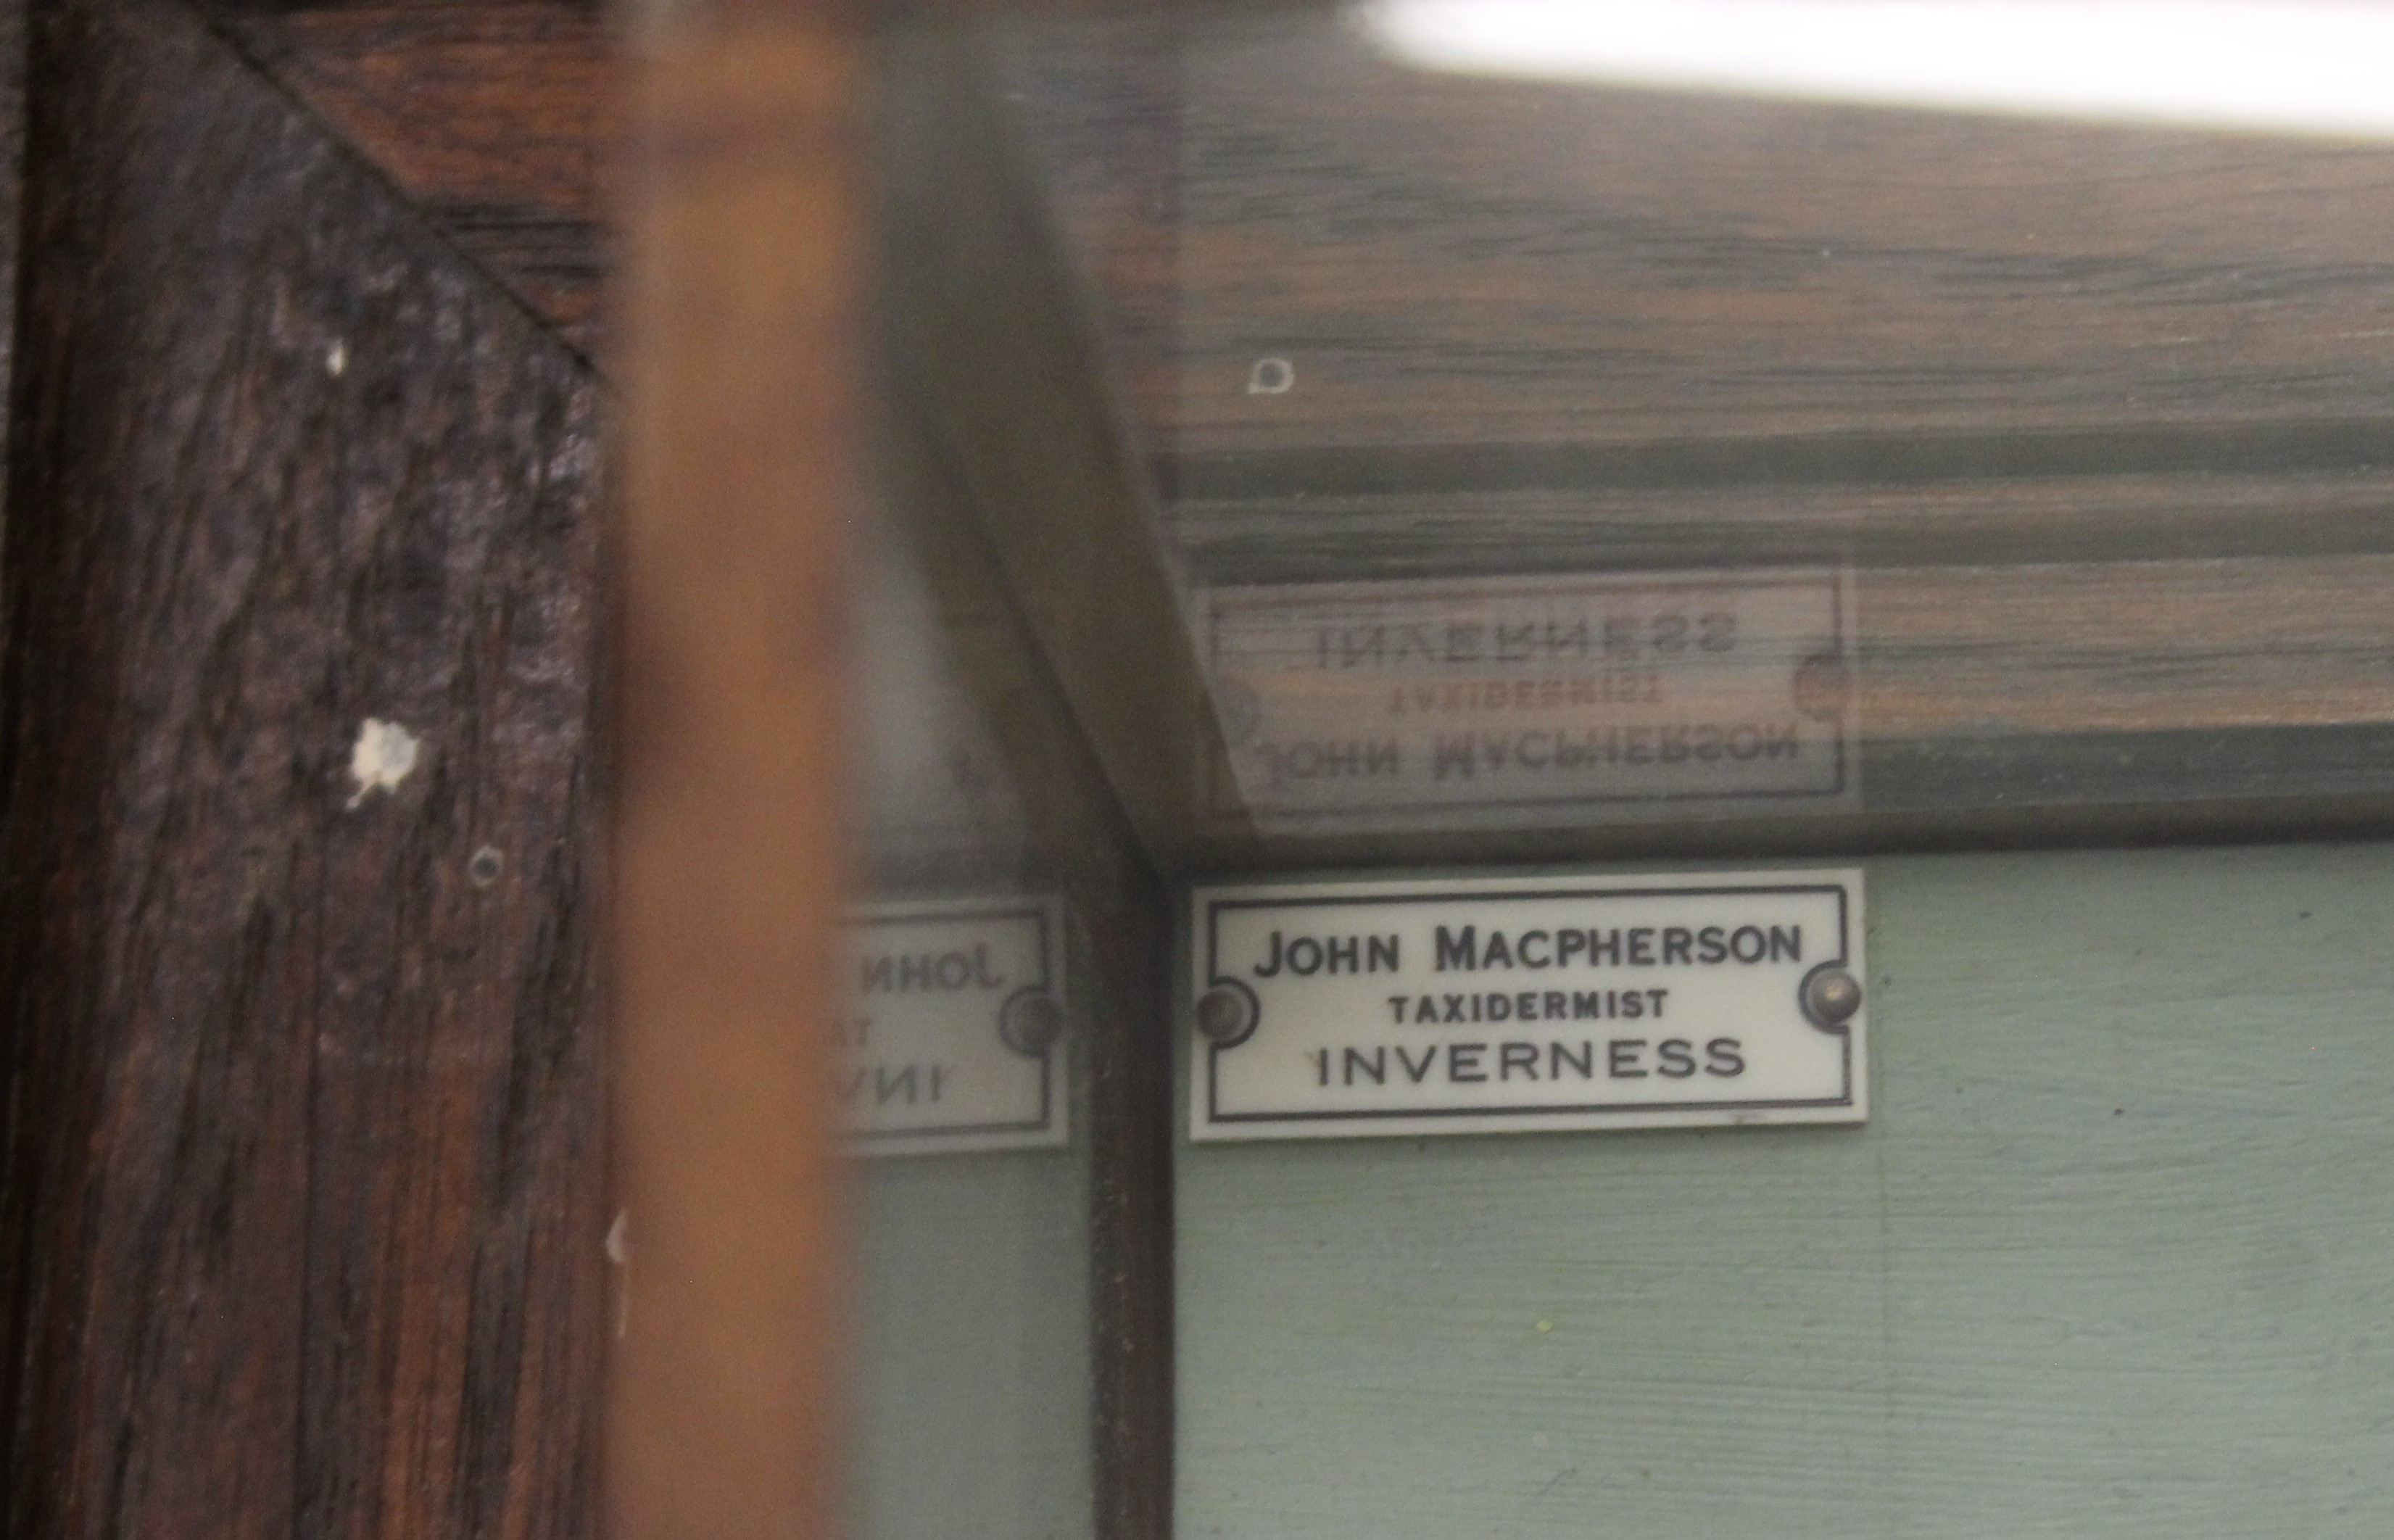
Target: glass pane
column 1415, row 441
column 1538, row 442
column 972, row 1197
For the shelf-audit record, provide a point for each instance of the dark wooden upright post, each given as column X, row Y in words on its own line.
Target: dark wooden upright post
column 302, row 1187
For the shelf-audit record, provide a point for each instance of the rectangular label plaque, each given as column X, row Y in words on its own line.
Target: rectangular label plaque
column 1493, row 701
column 1504, row 1004
column 951, row 1027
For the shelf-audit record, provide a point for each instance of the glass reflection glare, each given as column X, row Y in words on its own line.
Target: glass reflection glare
column 2301, row 68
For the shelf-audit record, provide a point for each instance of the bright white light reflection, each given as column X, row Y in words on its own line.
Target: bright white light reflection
column 2282, row 67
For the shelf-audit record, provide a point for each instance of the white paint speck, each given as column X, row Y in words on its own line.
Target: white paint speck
column 619, row 1250
column 336, row 359
column 1272, row 377
column 384, row 756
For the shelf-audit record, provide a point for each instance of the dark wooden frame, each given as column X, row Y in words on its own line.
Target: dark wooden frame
column 311, row 1221
column 307, row 1219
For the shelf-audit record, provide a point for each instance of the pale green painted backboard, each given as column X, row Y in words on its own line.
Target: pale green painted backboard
column 2114, row 1256
column 972, row 1348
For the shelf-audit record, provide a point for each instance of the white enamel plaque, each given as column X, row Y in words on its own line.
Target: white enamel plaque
column 1367, row 704
column 951, row 1027
column 1329, row 1010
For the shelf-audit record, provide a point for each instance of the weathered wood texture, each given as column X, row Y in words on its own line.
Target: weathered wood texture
column 12, row 155
column 2110, row 1259
column 496, row 121
column 1540, row 327
column 1449, row 260
column 304, row 1183
column 745, row 269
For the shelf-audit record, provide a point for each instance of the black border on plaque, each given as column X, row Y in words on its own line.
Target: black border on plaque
column 1215, row 906
column 1046, row 1119
column 1837, row 786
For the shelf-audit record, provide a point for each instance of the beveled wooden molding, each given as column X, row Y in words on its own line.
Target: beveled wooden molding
column 739, row 301
column 991, row 333
column 497, row 120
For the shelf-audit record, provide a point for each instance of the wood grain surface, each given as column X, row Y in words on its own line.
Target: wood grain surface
column 12, row 159
column 1454, row 261
column 1455, row 258
column 304, row 1177
column 1547, row 327
column 2096, row 415
column 496, row 121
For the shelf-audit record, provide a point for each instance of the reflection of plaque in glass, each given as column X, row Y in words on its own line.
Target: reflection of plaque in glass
column 951, row 1027
column 1355, row 704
